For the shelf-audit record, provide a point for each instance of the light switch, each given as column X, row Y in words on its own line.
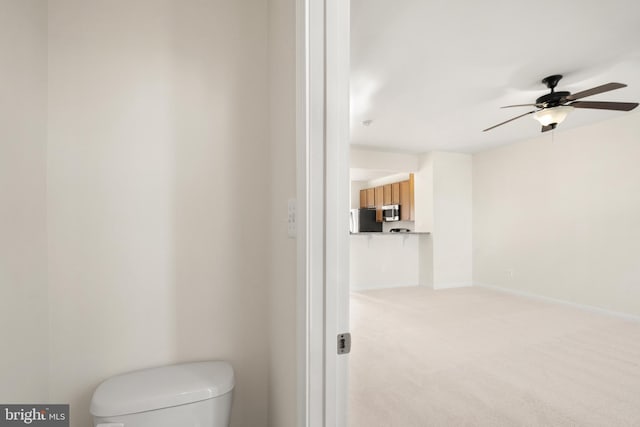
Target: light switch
column 291, row 218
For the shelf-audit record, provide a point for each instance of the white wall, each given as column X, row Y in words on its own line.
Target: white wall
column 282, row 260
column 443, row 197
column 389, row 179
column 356, row 186
column 561, row 219
column 23, row 283
column 158, row 188
column 362, row 158
column 452, row 219
column 423, row 193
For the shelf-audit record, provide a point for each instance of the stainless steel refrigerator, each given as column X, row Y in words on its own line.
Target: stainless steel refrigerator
column 364, row 220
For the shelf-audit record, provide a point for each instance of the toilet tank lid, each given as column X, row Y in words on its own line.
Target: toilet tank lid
column 162, row 387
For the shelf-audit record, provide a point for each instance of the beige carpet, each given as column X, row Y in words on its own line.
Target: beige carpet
column 477, row 357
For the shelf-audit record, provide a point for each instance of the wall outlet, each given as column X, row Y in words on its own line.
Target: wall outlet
column 291, row 218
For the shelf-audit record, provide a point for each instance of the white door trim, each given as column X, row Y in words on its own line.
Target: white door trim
column 310, row 222
column 323, row 203
column 337, row 207
column 310, row 209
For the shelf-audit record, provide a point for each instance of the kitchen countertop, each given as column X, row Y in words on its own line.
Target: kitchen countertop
column 386, row 233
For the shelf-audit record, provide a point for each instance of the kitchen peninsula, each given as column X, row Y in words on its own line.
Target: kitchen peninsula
column 387, row 260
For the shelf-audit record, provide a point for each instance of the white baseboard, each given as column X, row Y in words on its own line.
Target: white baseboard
column 370, row 287
column 619, row 314
column 452, row 285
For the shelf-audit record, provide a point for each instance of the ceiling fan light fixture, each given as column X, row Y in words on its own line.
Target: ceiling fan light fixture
column 553, row 115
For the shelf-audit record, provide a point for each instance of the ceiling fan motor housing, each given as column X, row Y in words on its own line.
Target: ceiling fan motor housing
column 553, row 99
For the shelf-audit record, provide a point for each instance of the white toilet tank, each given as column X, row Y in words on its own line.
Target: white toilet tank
column 186, row 395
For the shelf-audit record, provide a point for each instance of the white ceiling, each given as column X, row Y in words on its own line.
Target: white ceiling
column 432, row 74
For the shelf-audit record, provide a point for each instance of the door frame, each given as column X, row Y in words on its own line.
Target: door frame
column 322, row 165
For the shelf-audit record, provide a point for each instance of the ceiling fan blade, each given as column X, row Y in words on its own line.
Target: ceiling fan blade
column 510, row 120
column 601, row 105
column 524, row 105
column 548, row 127
column 595, row 90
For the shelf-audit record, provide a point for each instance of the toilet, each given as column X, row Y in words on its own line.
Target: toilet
column 187, row 395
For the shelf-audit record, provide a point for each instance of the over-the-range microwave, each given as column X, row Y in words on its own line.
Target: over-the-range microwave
column 391, row 213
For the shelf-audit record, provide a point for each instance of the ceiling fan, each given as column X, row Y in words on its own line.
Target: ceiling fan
column 554, row 107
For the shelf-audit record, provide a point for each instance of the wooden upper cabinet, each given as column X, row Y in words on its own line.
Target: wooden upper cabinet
column 386, row 194
column 371, row 198
column 405, row 201
column 395, row 193
column 379, row 195
column 412, row 214
column 398, row 193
